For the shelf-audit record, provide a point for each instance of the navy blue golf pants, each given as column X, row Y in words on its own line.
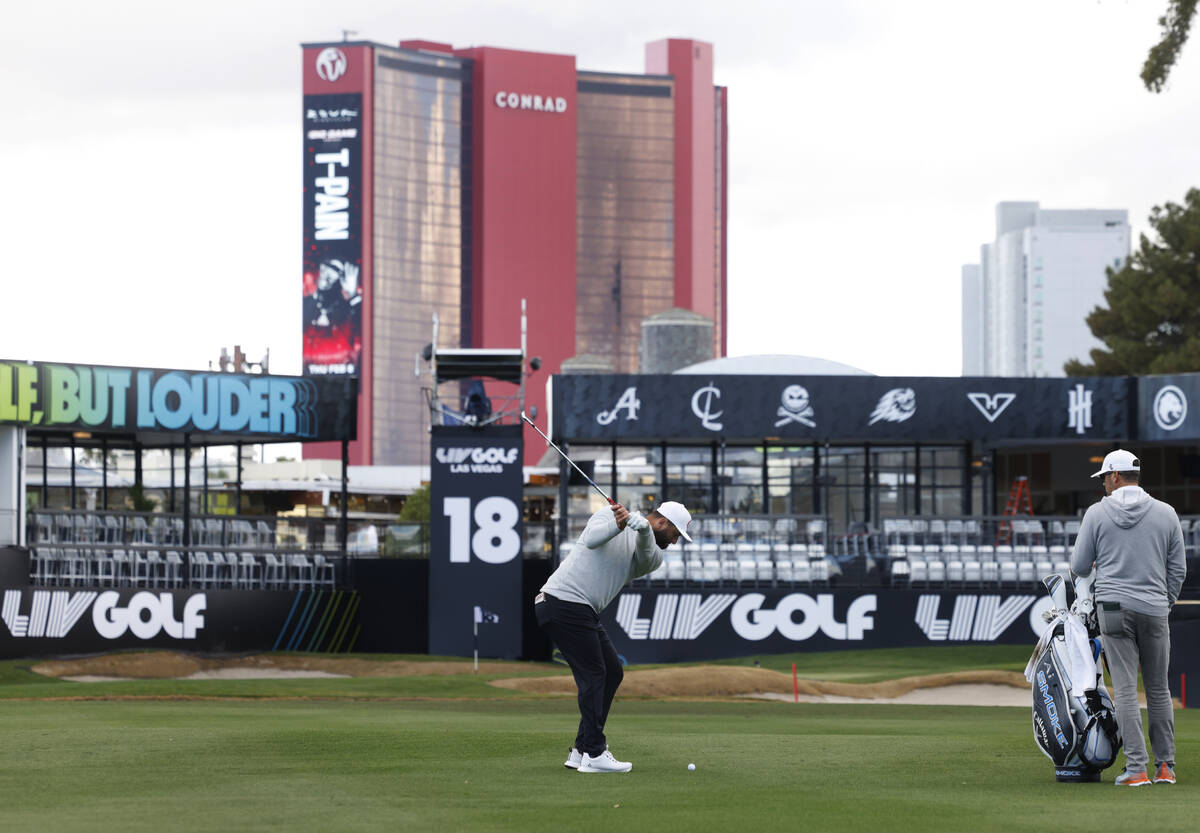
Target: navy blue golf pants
column 576, row 630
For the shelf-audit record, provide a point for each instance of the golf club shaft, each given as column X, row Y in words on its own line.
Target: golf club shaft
column 568, row 459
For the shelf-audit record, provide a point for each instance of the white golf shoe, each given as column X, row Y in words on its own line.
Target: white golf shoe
column 573, row 759
column 604, row 762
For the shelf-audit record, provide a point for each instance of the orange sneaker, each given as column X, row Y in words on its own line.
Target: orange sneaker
column 1165, row 774
column 1132, row 779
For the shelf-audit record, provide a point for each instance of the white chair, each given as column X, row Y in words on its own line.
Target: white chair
column 174, row 569
column 1008, row 572
column 300, row 571
column 972, row 573
column 937, row 572
column 764, row 565
column 990, row 572
column 274, row 571
column 918, row 572
column 323, row 571
column 104, row 567
column 251, row 572
column 1026, row 572
column 676, row 569
column 202, row 569
column 955, row 572
column 818, row 569
column 801, row 572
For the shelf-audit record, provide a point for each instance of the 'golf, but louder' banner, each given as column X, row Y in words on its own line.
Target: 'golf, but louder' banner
column 475, row 541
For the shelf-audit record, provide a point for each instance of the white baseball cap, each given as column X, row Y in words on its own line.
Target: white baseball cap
column 677, row 515
column 1119, row 460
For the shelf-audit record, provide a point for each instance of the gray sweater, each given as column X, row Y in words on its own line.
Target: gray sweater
column 1136, row 545
column 603, row 560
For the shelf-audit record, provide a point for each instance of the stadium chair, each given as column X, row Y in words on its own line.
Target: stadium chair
column 114, row 533
column 900, row 573
column 148, row 568
column 955, row 573
column 1042, row 568
column 300, row 571
column 202, row 569
column 972, row 573
column 141, row 530
column 105, row 566
column 676, row 570
column 937, row 572
column 1071, row 531
column 985, row 553
column 785, row 530
column 72, row 568
column 937, row 531
column 801, row 572
column 729, row 567
column 954, row 531
column 710, row 563
column 1026, row 572
column 264, row 535
column 819, row 571
column 764, row 564
column 1008, row 573
column 990, row 572
column 324, row 572
column 173, row 569
column 918, row 573
column 274, row 572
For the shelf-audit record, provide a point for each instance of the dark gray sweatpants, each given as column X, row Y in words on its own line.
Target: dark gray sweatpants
column 1138, row 637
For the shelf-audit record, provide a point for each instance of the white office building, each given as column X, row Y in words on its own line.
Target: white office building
column 1025, row 304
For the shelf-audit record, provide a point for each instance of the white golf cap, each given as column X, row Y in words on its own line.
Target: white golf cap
column 677, row 515
column 1119, row 460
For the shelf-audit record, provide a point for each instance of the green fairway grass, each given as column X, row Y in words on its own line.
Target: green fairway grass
column 458, row 761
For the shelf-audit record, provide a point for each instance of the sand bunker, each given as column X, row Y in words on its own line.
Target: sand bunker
column 161, row 665
column 981, row 688
column 987, row 687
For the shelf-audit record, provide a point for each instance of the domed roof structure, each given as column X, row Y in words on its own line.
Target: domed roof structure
column 772, row 365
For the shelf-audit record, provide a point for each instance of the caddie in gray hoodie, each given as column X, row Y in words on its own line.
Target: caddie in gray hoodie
column 1135, row 545
column 616, row 546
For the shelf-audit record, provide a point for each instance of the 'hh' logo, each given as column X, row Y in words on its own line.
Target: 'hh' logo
column 629, row 403
column 991, row 406
column 978, row 618
column 684, row 611
column 1079, row 409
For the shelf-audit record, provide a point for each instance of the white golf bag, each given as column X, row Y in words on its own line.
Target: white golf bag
column 1073, row 720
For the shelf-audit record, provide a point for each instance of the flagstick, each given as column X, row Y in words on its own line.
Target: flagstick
column 475, row 642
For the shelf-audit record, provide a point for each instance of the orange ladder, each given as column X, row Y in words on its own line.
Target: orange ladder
column 1018, row 501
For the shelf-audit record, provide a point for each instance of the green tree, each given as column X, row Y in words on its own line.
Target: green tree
column 416, row 506
column 1161, row 59
column 1152, row 320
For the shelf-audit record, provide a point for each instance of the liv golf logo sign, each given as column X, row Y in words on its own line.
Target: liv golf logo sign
column 53, row 614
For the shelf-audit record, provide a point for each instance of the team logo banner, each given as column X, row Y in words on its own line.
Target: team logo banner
column 602, row 408
column 333, row 232
column 134, row 399
column 475, row 541
column 1165, row 409
column 663, row 625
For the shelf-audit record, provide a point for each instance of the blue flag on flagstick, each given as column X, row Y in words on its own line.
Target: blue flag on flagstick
column 483, row 616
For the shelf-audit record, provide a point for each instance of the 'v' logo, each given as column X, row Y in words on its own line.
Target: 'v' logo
column 991, row 406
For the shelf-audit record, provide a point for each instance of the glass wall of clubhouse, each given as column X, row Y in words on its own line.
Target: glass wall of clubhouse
column 860, row 486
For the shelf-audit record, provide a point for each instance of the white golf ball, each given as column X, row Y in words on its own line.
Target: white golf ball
column 691, row 767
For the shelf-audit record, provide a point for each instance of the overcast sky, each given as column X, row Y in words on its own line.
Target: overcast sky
column 152, row 171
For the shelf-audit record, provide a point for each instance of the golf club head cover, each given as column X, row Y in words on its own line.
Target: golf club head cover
column 637, row 522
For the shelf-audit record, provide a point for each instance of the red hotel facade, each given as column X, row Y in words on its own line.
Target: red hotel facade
column 459, row 181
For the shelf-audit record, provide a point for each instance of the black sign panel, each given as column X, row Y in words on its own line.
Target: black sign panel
column 1165, row 407
column 333, row 225
column 862, row 408
column 55, row 621
column 475, row 541
column 664, row 625
column 129, row 400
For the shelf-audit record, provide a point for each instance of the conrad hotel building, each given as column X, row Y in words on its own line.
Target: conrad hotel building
column 461, row 181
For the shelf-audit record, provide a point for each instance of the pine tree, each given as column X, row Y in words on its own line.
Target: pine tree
column 1151, row 323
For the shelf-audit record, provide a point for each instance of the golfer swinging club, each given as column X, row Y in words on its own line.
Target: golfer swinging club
column 616, row 546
